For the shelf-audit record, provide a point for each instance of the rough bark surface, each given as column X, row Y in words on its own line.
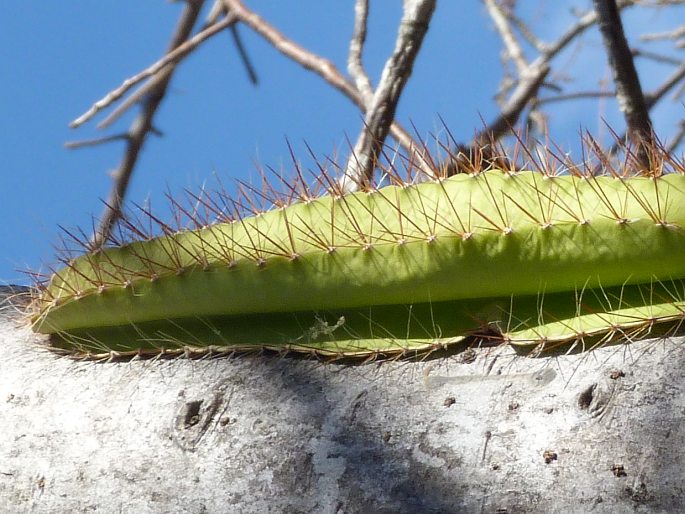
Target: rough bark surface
column 469, row 433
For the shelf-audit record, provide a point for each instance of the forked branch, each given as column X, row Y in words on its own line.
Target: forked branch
column 381, row 111
column 170, row 58
column 325, row 69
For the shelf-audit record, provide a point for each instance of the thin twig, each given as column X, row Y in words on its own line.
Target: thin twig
column 629, row 94
column 153, row 83
column 665, row 59
column 679, row 92
column 242, row 52
column 576, row 96
column 381, row 111
column 141, row 126
column 133, row 99
column 526, row 32
column 354, row 60
column 507, row 34
column 677, row 139
column 525, row 91
column 217, row 10
column 677, row 76
column 671, row 34
column 72, row 145
column 170, row 58
column 584, row 22
column 481, row 144
column 531, row 77
column 310, row 61
column 326, row 70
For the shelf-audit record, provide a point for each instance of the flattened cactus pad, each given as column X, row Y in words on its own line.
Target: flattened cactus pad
column 535, row 259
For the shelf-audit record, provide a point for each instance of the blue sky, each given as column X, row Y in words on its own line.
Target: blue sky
column 57, row 58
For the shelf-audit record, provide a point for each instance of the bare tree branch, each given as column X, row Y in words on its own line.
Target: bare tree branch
column 354, row 61
column 530, row 77
column 679, row 92
column 171, row 57
column 629, row 94
column 651, row 99
column 141, row 126
column 513, row 47
column 310, row 61
column 381, row 111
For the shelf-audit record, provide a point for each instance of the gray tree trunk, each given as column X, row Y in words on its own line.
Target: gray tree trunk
column 483, row 431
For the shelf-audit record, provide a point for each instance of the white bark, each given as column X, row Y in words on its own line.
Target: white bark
column 281, row 435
